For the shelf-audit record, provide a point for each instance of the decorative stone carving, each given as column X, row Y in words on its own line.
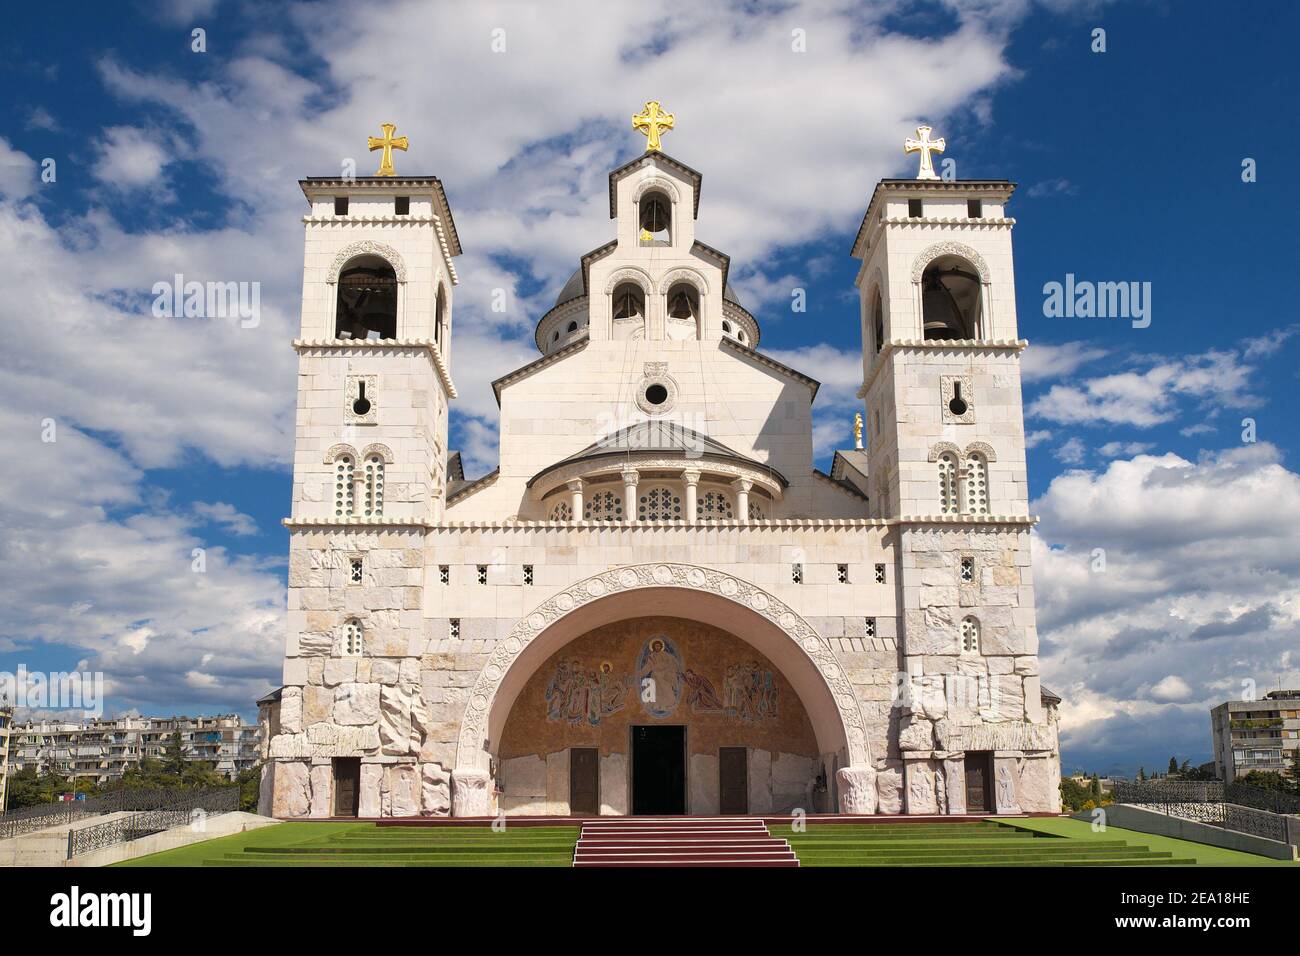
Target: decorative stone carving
column 915, row 733
column 363, row 248
column 1004, row 784
column 471, row 793
column 857, row 787
column 435, row 791
column 322, row 790
column 471, row 752
column 372, row 777
column 1004, row 736
column 920, row 788
column 889, row 788
column 930, row 253
column 400, row 796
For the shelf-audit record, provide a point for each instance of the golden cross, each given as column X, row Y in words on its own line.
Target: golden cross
column 388, row 143
column 925, row 146
column 651, row 121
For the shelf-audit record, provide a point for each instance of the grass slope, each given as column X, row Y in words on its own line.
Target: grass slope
column 1203, row 855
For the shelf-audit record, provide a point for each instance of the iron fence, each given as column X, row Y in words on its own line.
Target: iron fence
column 170, row 809
column 1260, row 799
column 29, row 819
column 1207, row 801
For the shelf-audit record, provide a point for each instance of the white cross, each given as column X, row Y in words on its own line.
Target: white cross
column 925, row 146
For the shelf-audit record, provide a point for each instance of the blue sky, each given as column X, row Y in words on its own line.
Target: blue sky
column 175, row 434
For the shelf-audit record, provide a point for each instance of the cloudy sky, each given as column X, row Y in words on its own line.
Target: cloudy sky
column 127, row 157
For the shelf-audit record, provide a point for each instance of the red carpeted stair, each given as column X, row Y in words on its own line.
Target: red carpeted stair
column 680, row 841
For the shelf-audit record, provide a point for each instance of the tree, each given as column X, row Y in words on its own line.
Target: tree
column 1142, row 774
column 174, row 755
column 1173, row 764
column 250, row 788
column 1094, row 789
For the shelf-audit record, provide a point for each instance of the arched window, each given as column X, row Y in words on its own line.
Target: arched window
column 439, row 315
column 366, row 300
column 603, row 506
column 562, row 512
column 970, row 636
column 950, row 300
column 726, row 327
column 659, row 504
column 947, row 484
column 655, row 219
column 352, row 638
column 976, row 481
column 714, row 506
column 629, row 301
column 374, row 486
column 740, row 334
column 878, row 323
column 343, row 486
column 573, row 327
column 683, row 311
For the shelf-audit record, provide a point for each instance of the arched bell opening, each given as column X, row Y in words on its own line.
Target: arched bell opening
column 654, row 217
column 951, row 301
column 683, row 311
column 366, row 300
column 628, row 310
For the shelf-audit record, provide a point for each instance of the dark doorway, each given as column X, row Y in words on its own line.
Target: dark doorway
column 979, row 781
column 584, row 781
column 658, row 769
column 347, row 786
column 733, row 784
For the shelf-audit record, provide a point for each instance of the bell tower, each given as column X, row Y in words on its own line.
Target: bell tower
column 375, row 362
column 946, row 452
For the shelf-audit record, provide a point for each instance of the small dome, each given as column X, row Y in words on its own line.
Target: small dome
column 572, row 289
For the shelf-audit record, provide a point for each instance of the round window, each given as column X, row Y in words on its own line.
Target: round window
column 656, row 394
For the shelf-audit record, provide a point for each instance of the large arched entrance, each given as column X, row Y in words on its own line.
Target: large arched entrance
column 803, row 659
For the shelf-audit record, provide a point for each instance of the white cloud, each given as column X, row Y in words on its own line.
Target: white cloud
column 1200, row 591
column 227, row 516
column 1071, row 452
column 1035, row 438
column 18, row 173
column 1043, row 361
column 1114, row 449
column 130, row 158
column 1150, row 397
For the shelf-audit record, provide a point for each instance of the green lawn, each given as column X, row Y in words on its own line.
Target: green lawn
column 1203, row 854
column 365, row 844
column 1038, row 841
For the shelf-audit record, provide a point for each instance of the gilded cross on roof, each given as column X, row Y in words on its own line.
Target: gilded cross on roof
column 652, row 121
column 387, row 143
column 925, row 146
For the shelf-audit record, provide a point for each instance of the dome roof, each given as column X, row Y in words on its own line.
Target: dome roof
column 573, row 289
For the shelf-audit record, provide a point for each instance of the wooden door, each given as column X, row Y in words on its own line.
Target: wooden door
column 979, row 780
column 733, row 786
column 584, row 781
column 347, row 786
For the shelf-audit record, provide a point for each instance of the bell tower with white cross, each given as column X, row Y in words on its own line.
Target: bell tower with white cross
column 946, row 463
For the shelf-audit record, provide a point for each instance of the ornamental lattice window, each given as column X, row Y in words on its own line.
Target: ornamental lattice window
column 756, row 511
column 562, row 512
column 947, row 484
column 970, row 636
column 343, row 503
column 977, row 484
column 374, row 473
column 659, row 504
column 352, row 638
column 603, row 506
column 714, row 506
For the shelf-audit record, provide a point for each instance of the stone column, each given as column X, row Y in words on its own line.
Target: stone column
column 742, row 486
column 358, row 490
column 575, row 497
column 471, row 793
column 630, row 479
column 692, row 478
column 857, row 787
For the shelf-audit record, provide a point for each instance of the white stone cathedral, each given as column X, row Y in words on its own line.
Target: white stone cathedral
column 656, row 603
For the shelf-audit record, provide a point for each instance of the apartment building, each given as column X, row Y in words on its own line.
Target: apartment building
column 6, row 720
column 1256, row 734
column 101, row 750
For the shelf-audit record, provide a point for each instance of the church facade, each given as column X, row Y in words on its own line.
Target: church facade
column 656, row 603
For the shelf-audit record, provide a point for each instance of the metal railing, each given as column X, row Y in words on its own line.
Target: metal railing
column 175, row 809
column 29, row 819
column 1207, row 801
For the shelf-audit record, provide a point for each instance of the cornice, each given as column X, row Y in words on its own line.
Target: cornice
column 380, row 345
column 978, row 345
column 772, row 524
